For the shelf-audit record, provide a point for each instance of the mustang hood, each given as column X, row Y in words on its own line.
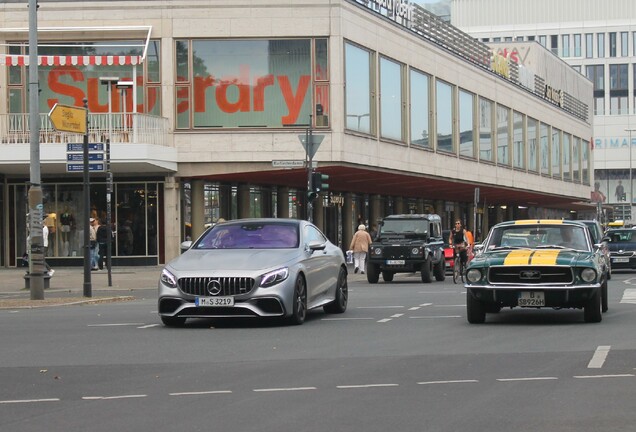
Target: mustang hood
column 233, row 259
column 533, row 257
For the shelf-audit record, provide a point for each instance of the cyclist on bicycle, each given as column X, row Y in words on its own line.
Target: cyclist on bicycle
column 459, row 241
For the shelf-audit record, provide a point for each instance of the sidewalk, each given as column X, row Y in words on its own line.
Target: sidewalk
column 71, row 280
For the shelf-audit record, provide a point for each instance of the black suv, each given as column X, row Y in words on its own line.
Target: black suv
column 407, row 243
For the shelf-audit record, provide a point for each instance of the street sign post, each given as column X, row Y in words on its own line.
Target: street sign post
column 66, row 118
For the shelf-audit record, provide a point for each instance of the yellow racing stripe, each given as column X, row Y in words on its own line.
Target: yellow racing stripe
column 518, row 257
column 545, row 257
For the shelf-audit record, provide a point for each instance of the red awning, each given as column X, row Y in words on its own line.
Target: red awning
column 23, row 60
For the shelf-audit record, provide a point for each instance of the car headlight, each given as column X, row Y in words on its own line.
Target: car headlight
column 274, row 277
column 588, row 275
column 473, row 275
column 168, row 279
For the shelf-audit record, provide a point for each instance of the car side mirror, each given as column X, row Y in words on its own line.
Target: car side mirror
column 478, row 247
column 315, row 245
column 186, row 245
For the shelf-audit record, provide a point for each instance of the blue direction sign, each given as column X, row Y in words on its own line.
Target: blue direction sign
column 79, row 147
column 80, row 167
column 79, row 157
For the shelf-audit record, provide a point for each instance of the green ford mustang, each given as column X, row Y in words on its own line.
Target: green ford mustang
column 535, row 264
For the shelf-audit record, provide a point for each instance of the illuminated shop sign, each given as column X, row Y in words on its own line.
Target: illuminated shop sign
column 613, row 142
column 553, row 95
column 397, row 10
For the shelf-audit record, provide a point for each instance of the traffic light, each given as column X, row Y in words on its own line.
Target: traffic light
column 319, row 182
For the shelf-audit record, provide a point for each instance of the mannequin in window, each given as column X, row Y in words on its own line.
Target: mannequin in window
column 67, row 222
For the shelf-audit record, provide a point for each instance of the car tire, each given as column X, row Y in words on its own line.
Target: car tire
column 387, row 276
column 475, row 310
column 173, row 321
column 440, row 270
column 373, row 274
column 427, row 270
column 604, row 300
column 339, row 304
column 299, row 303
column 592, row 308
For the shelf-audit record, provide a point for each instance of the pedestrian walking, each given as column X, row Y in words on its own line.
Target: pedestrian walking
column 93, row 243
column 360, row 246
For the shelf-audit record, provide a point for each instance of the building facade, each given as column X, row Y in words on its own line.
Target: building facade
column 598, row 40
column 211, row 110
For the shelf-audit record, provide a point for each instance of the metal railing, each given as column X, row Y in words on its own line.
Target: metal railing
column 126, row 128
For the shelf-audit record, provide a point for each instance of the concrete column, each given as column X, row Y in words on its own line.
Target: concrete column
column 398, row 205
column 376, row 209
column 282, row 202
column 172, row 220
column 510, row 214
column 197, row 208
column 347, row 220
column 244, row 201
column 225, row 201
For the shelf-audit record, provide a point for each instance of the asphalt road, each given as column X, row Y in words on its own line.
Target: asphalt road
column 402, row 358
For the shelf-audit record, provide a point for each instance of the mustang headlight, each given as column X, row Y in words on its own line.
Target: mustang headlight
column 274, row 277
column 588, row 275
column 473, row 275
column 168, row 278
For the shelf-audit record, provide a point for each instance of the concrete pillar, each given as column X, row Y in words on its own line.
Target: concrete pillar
column 510, row 214
column 197, row 201
column 376, row 209
column 348, row 217
column 398, row 205
column 172, row 220
column 225, row 201
column 282, row 202
column 244, row 201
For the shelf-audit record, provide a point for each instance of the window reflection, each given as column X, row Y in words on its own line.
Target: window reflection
column 532, row 145
column 391, row 99
column 503, row 151
column 420, row 109
column 485, row 129
column 466, row 129
column 444, row 106
column 358, row 89
column 545, row 149
column 519, row 148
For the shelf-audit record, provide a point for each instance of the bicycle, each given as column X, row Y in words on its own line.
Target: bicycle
column 458, row 266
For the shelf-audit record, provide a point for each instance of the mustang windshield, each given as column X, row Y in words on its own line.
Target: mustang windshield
column 250, row 236
column 539, row 236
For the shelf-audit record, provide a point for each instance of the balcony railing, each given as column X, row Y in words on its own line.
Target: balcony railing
column 126, row 128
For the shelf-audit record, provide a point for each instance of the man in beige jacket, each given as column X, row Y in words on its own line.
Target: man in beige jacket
column 360, row 245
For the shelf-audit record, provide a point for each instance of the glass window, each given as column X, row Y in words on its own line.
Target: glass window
column 183, row 107
column 15, row 72
column 577, row 45
column 624, row 44
column 419, row 109
column 554, row 44
column 589, row 46
column 565, row 45
column 182, row 51
column 444, row 108
column 322, row 105
column 153, row 63
column 596, row 74
column 503, row 135
column 556, row 153
column 612, row 44
column 634, row 43
column 618, row 89
column 485, row 129
column 466, row 124
column 16, row 106
column 576, row 159
column 543, row 40
column 634, row 86
column 391, row 99
column 600, row 45
column 518, row 147
column 544, row 156
column 321, row 68
column 358, row 88
column 567, row 152
column 585, row 162
column 519, row 38
column 251, row 83
column 532, row 145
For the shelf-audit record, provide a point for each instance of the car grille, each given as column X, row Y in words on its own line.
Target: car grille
column 530, row 275
column 396, row 252
column 216, row 286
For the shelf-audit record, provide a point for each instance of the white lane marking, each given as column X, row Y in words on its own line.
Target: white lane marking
column 115, row 325
column 345, row 319
column 604, row 376
column 629, row 296
column 437, row 292
column 201, row 393
column 16, row 401
column 379, row 307
column 414, row 308
column 436, row 316
column 599, row 357
column 284, row 389
column 526, row 379
column 457, row 305
column 396, row 315
column 148, row 326
column 447, row 382
column 113, row 397
column 425, row 304
column 366, row 386
column 384, row 320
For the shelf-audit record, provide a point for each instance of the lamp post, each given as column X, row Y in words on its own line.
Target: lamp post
column 108, row 82
column 631, row 186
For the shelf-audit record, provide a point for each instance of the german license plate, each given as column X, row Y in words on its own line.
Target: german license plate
column 620, row 260
column 531, row 298
column 395, row 262
column 214, row 301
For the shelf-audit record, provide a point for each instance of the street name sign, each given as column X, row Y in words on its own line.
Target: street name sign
column 97, row 167
column 66, row 118
column 288, row 163
column 79, row 147
column 79, row 157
